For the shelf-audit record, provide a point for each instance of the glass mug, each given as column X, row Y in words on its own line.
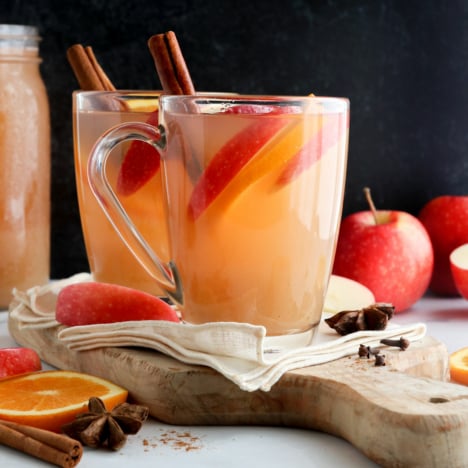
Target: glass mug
column 95, row 112
column 253, row 192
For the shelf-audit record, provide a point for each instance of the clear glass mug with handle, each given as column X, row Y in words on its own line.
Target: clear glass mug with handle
column 95, row 112
column 253, row 192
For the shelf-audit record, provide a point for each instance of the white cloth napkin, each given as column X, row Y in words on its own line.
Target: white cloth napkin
column 240, row 351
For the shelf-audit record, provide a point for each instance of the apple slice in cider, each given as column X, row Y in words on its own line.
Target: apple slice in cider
column 331, row 131
column 293, row 146
column 232, row 157
column 141, row 162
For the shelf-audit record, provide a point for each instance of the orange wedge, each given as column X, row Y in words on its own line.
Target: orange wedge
column 458, row 364
column 49, row 399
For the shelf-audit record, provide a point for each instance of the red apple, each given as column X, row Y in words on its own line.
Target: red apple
column 446, row 220
column 389, row 252
column 459, row 268
column 15, row 361
column 90, row 303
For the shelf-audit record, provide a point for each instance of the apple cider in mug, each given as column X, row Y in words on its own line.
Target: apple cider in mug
column 253, row 191
column 255, row 246
column 109, row 259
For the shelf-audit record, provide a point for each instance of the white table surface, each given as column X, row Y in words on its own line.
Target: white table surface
column 167, row 446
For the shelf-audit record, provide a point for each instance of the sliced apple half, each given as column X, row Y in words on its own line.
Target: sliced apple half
column 346, row 294
column 459, row 267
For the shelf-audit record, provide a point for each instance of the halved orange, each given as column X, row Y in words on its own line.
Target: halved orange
column 49, row 399
column 458, row 364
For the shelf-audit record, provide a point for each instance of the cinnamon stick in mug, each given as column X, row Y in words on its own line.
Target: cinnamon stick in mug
column 170, row 64
column 87, row 70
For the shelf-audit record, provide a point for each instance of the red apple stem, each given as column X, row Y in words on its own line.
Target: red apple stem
column 372, row 207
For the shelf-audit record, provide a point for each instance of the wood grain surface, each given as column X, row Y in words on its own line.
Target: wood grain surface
column 405, row 414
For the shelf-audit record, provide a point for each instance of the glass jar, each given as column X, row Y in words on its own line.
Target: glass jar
column 24, row 163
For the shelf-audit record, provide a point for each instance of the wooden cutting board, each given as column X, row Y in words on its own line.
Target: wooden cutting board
column 402, row 415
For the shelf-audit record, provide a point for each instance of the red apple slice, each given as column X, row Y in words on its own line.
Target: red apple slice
column 140, row 164
column 459, row 267
column 332, row 130
column 15, row 361
column 230, row 159
column 142, row 161
column 230, row 174
column 91, row 303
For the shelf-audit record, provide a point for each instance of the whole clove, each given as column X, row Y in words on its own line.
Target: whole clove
column 402, row 343
column 373, row 317
column 380, row 360
column 363, row 351
column 367, row 351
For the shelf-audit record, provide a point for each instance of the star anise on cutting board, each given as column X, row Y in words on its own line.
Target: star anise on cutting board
column 101, row 428
column 373, row 317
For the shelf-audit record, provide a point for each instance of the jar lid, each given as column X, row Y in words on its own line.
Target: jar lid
column 19, row 35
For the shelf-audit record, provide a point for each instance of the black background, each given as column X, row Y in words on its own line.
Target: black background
column 403, row 65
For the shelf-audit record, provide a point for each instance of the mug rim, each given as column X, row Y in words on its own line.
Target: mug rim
column 215, row 95
column 217, row 104
column 251, row 97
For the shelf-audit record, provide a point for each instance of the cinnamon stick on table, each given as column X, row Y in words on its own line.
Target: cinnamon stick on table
column 170, row 64
column 88, row 71
column 57, row 449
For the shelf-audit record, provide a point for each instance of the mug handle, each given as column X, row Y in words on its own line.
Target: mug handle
column 165, row 274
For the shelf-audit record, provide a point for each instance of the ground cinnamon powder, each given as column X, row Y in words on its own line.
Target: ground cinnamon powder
column 175, row 439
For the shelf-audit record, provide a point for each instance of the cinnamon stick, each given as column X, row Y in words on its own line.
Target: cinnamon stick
column 170, row 64
column 106, row 82
column 87, row 70
column 48, row 446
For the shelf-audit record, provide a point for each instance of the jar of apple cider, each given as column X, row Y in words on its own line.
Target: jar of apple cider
column 24, row 163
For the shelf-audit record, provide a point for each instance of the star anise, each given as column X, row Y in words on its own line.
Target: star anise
column 101, row 428
column 373, row 317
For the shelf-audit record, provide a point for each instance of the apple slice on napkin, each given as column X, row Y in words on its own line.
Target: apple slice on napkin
column 90, row 303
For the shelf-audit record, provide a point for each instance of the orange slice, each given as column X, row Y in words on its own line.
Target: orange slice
column 49, row 399
column 458, row 364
